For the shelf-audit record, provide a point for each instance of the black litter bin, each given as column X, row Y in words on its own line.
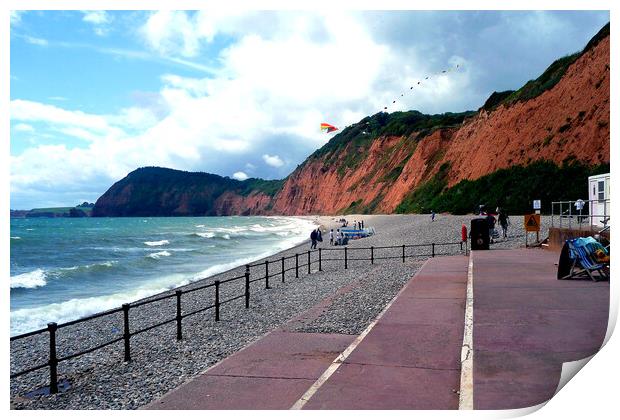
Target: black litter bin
column 479, row 234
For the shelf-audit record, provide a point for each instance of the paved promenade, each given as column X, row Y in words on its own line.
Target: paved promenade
column 526, row 324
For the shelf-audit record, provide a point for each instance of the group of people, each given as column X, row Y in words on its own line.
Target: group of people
column 338, row 238
column 502, row 219
column 335, row 238
column 358, row 225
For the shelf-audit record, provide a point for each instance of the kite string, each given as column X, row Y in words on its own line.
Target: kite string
column 420, row 82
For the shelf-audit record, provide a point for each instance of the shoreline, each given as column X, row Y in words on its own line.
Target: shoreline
column 190, row 283
column 160, row 363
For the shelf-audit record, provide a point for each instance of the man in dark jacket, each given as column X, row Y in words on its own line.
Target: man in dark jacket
column 313, row 238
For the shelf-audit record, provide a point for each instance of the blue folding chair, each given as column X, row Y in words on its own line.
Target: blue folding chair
column 583, row 264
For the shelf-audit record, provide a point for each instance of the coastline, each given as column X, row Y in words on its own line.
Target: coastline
column 161, row 363
column 68, row 308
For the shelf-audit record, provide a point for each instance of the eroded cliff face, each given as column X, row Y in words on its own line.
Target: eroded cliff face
column 571, row 120
column 229, row 203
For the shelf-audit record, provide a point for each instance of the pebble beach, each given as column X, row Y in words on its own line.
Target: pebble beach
column 101, row 380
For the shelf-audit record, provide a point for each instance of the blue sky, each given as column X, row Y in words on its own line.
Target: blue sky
column 96, row 94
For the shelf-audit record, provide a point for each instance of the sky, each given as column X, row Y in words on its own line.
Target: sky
column 97, row 94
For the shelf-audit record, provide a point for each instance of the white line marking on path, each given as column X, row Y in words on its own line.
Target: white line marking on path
column 466, row 395
column 342, row 356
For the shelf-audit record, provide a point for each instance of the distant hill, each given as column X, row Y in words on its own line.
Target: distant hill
column 545, row 138
column 81, row 210
column 154, row 191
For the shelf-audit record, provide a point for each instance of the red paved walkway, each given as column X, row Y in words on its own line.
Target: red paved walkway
column 411, row 358
column 423, row 331
column 527, row 323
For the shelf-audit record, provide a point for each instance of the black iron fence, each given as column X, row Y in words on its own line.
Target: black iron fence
column 301, row 261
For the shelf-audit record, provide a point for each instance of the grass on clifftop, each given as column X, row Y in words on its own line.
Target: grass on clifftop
column 357, row 138
column 545, row 81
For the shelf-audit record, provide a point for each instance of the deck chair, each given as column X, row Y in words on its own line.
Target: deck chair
column 582, row 262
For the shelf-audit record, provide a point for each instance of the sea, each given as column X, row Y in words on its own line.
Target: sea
column 66, row 268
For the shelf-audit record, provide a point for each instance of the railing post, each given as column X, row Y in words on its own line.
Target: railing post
column 247, row 286
column 320, row 262
column 267, row 275
column 308, row 262
column 126, row 335
column 372, row 254
column 217, row 300
column 296, row 266
column 282, row 269
column 179, row 317
column 52, row 327
column 403, row 253
column 433, row 249
column 570, row 215
column 346, row 262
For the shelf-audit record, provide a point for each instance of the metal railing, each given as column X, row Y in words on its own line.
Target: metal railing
column 302, row 260
column 580, row 213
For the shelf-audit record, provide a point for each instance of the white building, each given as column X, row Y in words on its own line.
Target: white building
column 598, row 187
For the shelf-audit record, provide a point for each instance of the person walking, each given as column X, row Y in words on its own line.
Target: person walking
column 491, row 223
column 331, row 237
column 432, row 215
column 313, row 238
column 319, row 235
column 504, row 221
column 362, row 224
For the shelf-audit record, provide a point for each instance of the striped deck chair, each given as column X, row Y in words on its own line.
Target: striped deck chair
column 583, row 262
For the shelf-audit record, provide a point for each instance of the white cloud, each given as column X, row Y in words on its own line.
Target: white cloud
column 22, row 110
column 36, row 41
column 16, row 16
column 274, row 160
column 23, row 127
column 99, row 19
column 165, row 30
column 240, row 176
column 96, row 17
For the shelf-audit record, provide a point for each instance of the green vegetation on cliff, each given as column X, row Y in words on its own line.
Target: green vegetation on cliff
column 513, row 189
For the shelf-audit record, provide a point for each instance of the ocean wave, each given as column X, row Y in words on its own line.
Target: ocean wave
column 203, row 234
column 30, row 280
column 28, row 319
column 86, row 267
column 214, row 235
column 15, row 237
column 158, row 255
column 157, row 243
column 200, row 226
